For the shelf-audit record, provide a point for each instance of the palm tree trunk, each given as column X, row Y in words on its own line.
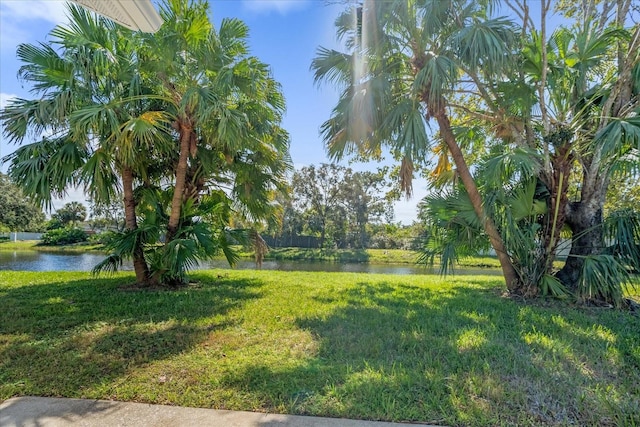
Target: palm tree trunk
column 584, row 218
column 131, row 223
column 511, row 277
column 557, row 181
column 180, row 184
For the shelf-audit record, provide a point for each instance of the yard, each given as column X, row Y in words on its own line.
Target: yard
column 450, row 351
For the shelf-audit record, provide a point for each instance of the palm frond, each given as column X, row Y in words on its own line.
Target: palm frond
column 603, row 278
column 618, row 137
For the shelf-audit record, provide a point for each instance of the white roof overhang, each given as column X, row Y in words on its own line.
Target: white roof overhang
column 133, row 14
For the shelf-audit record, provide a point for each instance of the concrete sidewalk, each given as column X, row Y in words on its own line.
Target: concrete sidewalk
column 55, row 412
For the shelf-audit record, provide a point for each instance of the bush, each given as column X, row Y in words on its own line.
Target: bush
column 64, row 236
column 104, row 238
column 54, row 224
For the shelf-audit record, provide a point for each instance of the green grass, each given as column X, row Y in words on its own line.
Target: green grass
column 400, row 348
column 395, row 256
column 34, row 245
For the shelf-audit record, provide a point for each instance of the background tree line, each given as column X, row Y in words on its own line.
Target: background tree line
column 340, row 208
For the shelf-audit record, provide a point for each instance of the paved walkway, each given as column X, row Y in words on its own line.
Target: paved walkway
column 55, row 412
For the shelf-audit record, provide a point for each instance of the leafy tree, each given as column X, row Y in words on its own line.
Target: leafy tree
column 338, row 203
column 107, row 216
column 70, row 213
column 623, row 195
column 364, row 201
column 18, row 212
column 316, row 193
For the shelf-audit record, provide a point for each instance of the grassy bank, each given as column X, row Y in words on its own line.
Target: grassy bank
column 33, row 245
column 402, row 348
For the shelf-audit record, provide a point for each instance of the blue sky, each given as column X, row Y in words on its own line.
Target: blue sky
column 283, row 33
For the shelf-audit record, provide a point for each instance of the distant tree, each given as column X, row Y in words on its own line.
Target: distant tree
column 316, row 194
column 107, row 215
column 396, row 236
column 17, row 211
column 624, row 195
column 71, row 213
column 338, row 203
column 364, row 201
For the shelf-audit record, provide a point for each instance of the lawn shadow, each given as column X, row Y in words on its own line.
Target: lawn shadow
column 68, row 337
column 37, row 411
column 458, row 356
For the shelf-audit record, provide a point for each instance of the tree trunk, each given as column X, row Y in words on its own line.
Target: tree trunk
column 322, row 235
column 557, row 182
column 181, row 178
column 131, row 224
column 585, row 220
column 512, row 280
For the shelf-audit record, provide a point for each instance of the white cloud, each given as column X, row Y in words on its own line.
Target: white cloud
column 280, row 6
column 21, row 20
column 20, row 10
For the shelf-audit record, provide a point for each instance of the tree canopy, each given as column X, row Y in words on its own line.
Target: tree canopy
column 335, row 202
column 17, row 211
column 70, row 213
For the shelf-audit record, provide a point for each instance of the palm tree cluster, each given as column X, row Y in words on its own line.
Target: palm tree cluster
column 183, row 126
column 531, row 128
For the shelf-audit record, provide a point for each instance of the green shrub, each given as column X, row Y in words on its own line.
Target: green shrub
column 64, row 236
column 104, row 238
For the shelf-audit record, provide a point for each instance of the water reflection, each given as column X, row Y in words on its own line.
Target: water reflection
column 47, row 261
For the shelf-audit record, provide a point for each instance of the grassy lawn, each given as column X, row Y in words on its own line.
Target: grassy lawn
column 401, row 348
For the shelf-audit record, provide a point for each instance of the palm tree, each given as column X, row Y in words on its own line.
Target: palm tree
column 552, row 121
column 225, row 111
column 582, row 123
column 607, row 137
column 115, row 103
column 95, row 113
column 405, row 59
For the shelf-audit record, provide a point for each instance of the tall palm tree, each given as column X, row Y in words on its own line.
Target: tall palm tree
column 180, row 123
column 94, row 113
column 553, row 120
column 404, row 60
column 225, row 111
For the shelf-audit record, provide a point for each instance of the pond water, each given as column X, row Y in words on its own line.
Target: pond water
column 56, row 261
